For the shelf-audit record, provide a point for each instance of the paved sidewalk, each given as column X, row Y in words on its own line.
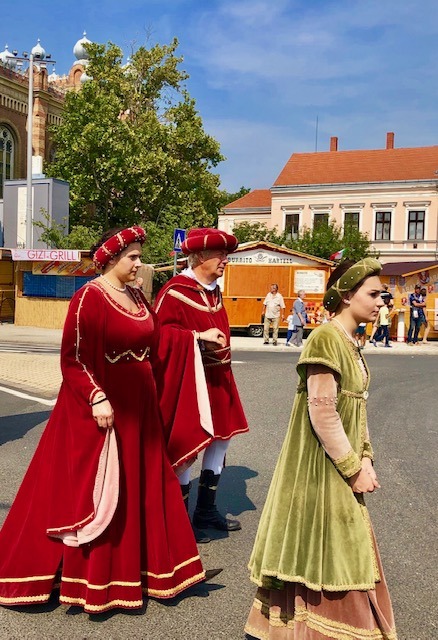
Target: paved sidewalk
column 39, row 373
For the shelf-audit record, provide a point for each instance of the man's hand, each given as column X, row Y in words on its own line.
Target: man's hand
column 213, row 336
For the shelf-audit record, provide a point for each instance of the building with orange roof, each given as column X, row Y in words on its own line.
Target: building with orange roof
column 390, row 194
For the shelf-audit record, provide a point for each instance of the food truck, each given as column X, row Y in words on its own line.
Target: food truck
column 251, row 270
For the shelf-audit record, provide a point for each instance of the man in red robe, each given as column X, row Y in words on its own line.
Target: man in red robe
column 192, row 302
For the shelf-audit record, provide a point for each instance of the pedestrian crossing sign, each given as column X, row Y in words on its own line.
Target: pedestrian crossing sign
column 179, row 235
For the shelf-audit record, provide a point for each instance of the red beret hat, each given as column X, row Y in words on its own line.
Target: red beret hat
column 117, row 243
column 205, row 239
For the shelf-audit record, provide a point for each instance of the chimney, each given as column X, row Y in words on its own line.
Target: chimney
column 390, row 140
column 333, row 143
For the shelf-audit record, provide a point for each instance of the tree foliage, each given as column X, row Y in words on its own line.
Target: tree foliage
column 132, row 145
column 325, row 239
column 321, row 241
column 253, row 231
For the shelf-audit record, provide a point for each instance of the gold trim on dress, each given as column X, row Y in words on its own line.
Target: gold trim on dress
column 139, row 358
column 25, row 599
column 175, row 590
column 311, row 585
column 192, row 303
column 100, row 587
column 101, row 607
column 73, row 527
column 28, row 578
column 172, row 573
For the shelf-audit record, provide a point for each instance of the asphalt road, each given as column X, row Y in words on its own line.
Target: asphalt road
column 402, row 417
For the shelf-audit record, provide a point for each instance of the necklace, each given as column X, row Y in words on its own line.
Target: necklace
column 345, row 331
column 113, row 286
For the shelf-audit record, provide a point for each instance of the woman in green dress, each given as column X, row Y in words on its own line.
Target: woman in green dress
column 315, row 559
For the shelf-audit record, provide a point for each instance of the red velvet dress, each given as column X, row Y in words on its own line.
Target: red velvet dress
column 183, row 306
column 100, row 509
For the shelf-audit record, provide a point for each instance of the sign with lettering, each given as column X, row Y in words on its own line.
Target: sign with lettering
column 263, row 257
column 47, row 255
column 312, row 281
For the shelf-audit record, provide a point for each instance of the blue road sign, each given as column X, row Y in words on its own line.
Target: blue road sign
column 179, row 235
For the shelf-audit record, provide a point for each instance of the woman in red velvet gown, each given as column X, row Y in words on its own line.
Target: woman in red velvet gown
column 100, row 510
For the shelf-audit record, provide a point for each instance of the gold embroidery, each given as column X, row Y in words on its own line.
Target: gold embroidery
column 339, row 630
column 311, row 585
column 366, row 517
column 73, row 527
column 165, row 593
column 143, row 311
column 192, row 303
column 100, row 587
column 27, row 578
column 139, row 358
column 96, row 387
column 41, row 598
column 172, row 573
column 326, row 627
column 103, row 607
column 348, row 464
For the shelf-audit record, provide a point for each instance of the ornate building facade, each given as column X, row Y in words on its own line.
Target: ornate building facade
column 49, row 91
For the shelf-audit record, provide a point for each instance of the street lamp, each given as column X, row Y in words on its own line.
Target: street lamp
column 39, row 56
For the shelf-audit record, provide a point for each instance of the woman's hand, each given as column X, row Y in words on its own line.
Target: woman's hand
column 214, row 336
column 365, row 480
column 103, row 414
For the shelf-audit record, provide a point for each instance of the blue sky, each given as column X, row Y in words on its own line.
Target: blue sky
column 262, row 71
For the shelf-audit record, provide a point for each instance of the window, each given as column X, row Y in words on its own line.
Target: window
column 383, row 225
column 6, row 156
column 416, row 225
column 291, row 225
column 351, row 219
column 320, row 219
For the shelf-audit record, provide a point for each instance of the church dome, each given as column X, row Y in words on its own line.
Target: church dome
column 53, row 77
column 79, row 50
column 7, row 59
column 38, row 52
column 84, row 78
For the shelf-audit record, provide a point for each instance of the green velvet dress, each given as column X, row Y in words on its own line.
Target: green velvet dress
column 314, row 531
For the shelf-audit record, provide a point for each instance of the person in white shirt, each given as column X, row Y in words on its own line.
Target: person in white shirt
column 290, row 327
column 273, row 308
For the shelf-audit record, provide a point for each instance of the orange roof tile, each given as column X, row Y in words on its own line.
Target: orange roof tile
column 379, row 165
column 256, row 199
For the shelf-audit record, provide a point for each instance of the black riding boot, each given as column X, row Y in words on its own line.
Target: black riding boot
column 200, row 536
column 206, row 513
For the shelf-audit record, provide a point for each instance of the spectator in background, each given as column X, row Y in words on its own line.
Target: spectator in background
column 386, row 295
column 423, row 316
column 273, row 308
column 299, row 319
column 290, row 327
column 417, row 304
column 360, row 334
column 384, row 321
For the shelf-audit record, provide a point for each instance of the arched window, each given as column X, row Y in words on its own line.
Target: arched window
column 6, row 156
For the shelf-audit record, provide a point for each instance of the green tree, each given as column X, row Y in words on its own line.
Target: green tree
column 54, row 234
column 132, row 145
column 326, row 239
column 251, row 231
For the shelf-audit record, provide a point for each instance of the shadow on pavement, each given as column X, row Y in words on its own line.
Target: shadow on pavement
column 232, row 498
column 16, row 426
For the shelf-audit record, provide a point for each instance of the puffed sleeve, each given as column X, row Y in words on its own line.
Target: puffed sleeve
column 81, row 343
